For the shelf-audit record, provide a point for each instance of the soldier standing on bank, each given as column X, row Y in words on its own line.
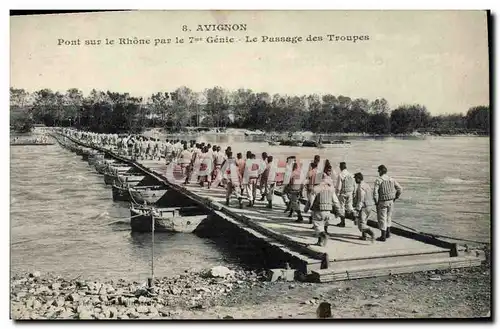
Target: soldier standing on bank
column 385, row 192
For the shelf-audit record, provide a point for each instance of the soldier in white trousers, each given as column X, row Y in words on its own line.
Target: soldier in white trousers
column 363, row 206
column 385, row 192
column 345, row 191
column 324, row 201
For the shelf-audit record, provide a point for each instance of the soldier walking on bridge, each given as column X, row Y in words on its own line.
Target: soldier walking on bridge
column 363, row 202
column 324, row 202
column 385, row 192
column 232, row 179
column 345, row 191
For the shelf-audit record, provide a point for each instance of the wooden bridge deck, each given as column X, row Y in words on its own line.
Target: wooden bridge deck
column 344, row 256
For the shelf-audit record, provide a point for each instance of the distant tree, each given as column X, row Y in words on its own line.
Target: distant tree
column 161, row 104
column 409, row 118
column 74, row 104
column 215, row 107
column 45, row 107
column 185, row 104
column 19, row 98
column 218, row 106
column 241, row 101
column 20, row 117
column 478, row 118
column 259, row 111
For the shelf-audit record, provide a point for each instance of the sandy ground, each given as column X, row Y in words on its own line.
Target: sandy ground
column 454, row 294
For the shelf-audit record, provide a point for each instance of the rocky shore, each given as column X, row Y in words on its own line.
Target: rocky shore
column 45, row 296
column 221, row 293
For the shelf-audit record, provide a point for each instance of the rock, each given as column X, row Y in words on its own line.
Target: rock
column 58, row 302
column 36, row 304
column 143, row 300
column 106, row 313
column 153, row 310
column 175, row 291
column 29, row 302
column 324, row 310
column 141, row 292
column 142, row 309
column 220, row 272
column 198, row 289
column 73, row 297
column 84, row 315
column 227, row 317
column 41, row 290
column 134, row 315
column 122, row 300
column 414, row 311
column 65, row 315
column 372, row 304
column 435, row 278
column 103, row 298
column 21, row 294
column 164, row 311
column 292, row 286
column 275, row 274
column 35, row 274
column 55, row 286
column 99, row 316
column 123, row 317
column 81, row 283
column 113, row 312
column 375, row 296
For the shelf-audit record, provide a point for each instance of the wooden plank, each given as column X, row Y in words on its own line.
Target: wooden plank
column 330, row 274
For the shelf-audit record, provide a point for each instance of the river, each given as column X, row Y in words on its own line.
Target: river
column 63, row 219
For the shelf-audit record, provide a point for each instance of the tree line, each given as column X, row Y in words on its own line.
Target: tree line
column 107, row 111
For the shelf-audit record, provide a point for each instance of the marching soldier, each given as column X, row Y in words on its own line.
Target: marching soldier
column 385, row 192
column 232, row 178
column 363, row 202
column 185, row 159
column 251, row 185
column 345, row 191
column 289, row 162
column 293, row 190
column 324, row 202
column 268, row 183
column 240, row 163
column 262, row 184
column 219, row 160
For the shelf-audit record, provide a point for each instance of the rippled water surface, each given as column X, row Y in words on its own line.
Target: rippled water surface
column 63, row 218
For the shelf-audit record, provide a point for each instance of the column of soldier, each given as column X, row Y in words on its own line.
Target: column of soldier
column 327, row 195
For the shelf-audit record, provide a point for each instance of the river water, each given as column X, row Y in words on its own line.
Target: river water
column 63, row 219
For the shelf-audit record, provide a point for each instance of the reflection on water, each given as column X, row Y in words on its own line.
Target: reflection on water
column 63, row 218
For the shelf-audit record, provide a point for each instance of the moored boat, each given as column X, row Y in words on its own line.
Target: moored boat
column 147, row 194
column 130, row 180
column 93, row 158
column 102, row 165
column 120, row 192
column 178, row 219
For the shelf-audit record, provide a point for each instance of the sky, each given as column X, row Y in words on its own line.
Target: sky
column 435, row 58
